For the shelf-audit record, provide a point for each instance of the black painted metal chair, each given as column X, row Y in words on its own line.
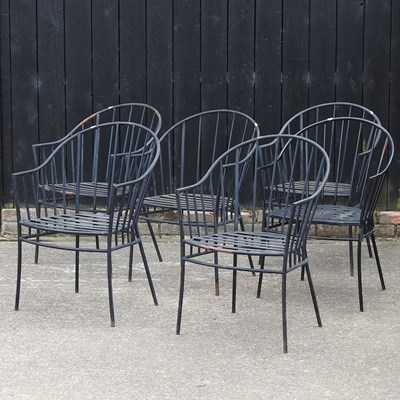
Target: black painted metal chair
column 140, row 113
column 188, row 149
column 338, row 186
column 207, row 236
column 360, row 153
column 122, row 154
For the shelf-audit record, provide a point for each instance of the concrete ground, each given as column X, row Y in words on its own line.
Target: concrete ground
column 60, row 344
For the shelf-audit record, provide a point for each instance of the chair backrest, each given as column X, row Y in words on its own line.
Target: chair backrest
column 140, row 113
column 190, row 146
column 347, row 141
column 276, row 160
column 107, row 164
column 324, row 111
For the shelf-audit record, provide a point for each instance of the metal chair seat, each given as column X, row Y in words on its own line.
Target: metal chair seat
column 242, row 243
column 331, row 189
column 86, row 189
column 76, row 224
column 337, row 215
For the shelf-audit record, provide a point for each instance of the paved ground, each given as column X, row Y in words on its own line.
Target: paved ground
column 60, row 344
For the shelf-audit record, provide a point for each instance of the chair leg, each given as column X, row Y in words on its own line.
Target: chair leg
column 146, row 267
column 19, row 273
column 154, row 240
column 378, row 262
column 284, row 314
column 180, row 302
column 234, row 283
column 77, row 264
column 360, row 293
column 110, row 289
column 130, row 264
column 249, row 257
column 260, row 278
column 216, row 275
column 37, row 250
column 313, row 296
column 351, row 253
column 369, row 247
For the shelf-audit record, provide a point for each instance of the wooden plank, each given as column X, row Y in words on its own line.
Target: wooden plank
column 268, row 51
column 241, row 56
column 394, row 107
column 295, row 57
column 186, row 39
column 322, row 51
column 105, row 53
column 132, row 30
column 159, row 58
column 78, row 61
column 5, row 105
column 377, row 58
column 214, row 54
column 24, row 82
column 51, row 69
column 350, row 26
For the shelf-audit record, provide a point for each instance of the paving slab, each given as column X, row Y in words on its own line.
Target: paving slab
column 60, row 345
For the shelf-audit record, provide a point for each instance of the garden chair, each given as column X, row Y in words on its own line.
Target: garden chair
column 139, row 113
column 359, row 163
column 188, row 149
column 207, row 237
column 45, row 207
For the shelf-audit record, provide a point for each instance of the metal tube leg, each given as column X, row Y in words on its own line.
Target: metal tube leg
column 360, row 293
column 180, row 302
column 234, row 284
column 110, row 289
column 154, row 240
column 77, row 264
column 314, row 297
column 146, row 268
column 351, row 254
column 260, row 278
column 284, row 314
column 19, row 273
column 378, row 262
column 130, row 264
column 216, row 275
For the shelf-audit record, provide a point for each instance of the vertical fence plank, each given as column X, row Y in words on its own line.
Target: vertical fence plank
column 268, row 52
column 78, row 61
column 132, row 21
column 295, row 56
column 241, row 56
column 322, row 51
column 51, row 69
column 105, row 53
column 214, row 53
column 24, row 81
column 377, row 57
column 159, row 57
column 350, row 46
column 394, row 107
column 5, row 102
column 186, row 60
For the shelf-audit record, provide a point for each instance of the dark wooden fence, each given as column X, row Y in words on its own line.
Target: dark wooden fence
column 63, row 59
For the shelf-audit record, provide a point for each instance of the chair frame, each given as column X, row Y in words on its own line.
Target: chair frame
column 209, row 134
column 356, row 211
column 208, row 237
column 44, row 210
